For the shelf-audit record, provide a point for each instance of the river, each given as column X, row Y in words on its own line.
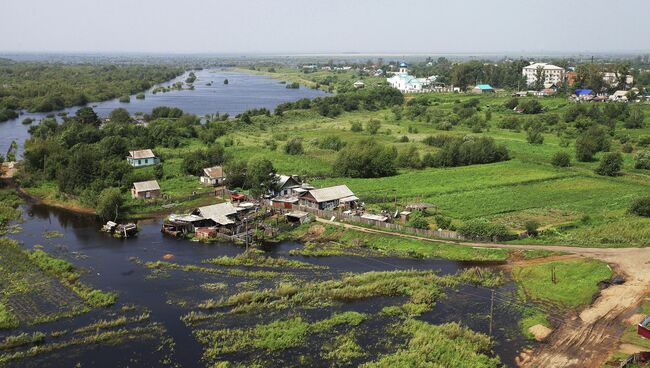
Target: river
column 110, row 265
column 243, row 91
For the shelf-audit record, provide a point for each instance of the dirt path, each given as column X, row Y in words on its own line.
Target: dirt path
column 587, row 339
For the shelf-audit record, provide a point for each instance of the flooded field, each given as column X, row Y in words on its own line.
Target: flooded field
column 183, row 303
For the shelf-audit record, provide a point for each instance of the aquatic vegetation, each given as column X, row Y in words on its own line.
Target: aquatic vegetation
column 343, row 350
column 22, row 339
column 256, row 258
column 280, row 335
column 52, row 234
column 346, row 318
column 194, row 268
column 446, row 345
column 214, row 286
column 7, row 318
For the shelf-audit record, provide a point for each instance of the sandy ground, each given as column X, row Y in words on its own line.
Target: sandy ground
column 587, row 339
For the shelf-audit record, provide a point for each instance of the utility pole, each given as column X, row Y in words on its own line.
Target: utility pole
column 491, row 311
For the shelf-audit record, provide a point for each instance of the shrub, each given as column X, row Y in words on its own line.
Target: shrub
column 635, row 118
column 372, row 126
column 591, row 141
column 610, row 164
column 642, row 160
column 627, row 148
column 331, row 142
column 125, row 99
column 511, row 103
column 534, row 136
column 409, row 158
column 641, row 207
column 365, row 159
column 561, row 159
column 294, row 146
column 356, row 127
column 531, row 107
column 531, row 227
column 510, row 122
column 469, row 151
column 485, row 230
column 403, row 139
column 443, row 222
column 418, row 221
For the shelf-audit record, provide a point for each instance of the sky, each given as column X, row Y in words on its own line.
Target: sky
column 331, row 26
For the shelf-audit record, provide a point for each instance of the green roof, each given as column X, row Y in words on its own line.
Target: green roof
column 484, row 86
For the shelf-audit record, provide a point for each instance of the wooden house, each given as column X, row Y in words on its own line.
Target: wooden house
column 145, row 189
column 329, row 198
column 213, row 176
column 143, row 157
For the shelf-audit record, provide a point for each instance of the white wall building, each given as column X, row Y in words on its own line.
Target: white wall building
column 552, row 73
column 406, row 83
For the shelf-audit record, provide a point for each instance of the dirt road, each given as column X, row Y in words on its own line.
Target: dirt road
column 584, row 340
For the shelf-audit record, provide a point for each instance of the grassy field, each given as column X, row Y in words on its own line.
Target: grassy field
column 575, row 283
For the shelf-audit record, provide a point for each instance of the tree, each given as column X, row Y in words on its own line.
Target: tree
column 540, row 78
column 372, row 126
column 365, row 159
column 418, row 221
column 12, row 151
column 409, row 158
column 635, row 118
column 641, row 207
column 294, row 146
column 610, row 164
column 109, row 204
column 158, row 171
column 236, row 173
column 120, row 115
column 531, row 107
column 561, row 159
column 86, row 115
column 591, row 141
column 260, row 176
column 531, row 227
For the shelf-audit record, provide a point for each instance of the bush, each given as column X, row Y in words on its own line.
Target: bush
column 469, row 151
column 561, row 159
column 356, row 127
column 331, row 142
column 294, row 146
column 635, row 119
column 372, row 126
column 641, row 207
column 591, row 141
column 409, row 158
column 511, row 103
column 365, row 159
column 510, row 122
column 403, row 139
column 125, row 99
column 109, row 203
column 418, row 221
column 531, row 107
column 531, row 227
column 642, row 160
column 443, row 222
column 534, row 136
column 610, row 164
column 484, row 230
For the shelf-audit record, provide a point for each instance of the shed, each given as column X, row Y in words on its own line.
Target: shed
column 221, row 213
column 145, row 189
column 377, row 218
column 213, row 176
column 143, row 157
column 419, row 206
column 297, row 216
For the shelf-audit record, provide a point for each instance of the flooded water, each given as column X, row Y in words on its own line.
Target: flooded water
column 110, row 266
column 243, row 92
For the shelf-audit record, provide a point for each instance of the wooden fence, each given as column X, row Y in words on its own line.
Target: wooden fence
column 326, row 214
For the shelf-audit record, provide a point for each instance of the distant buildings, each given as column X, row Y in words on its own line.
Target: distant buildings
column 140, row 158
column 483, row 88
column 552, row 73
column 405, row 82
column 611, row 79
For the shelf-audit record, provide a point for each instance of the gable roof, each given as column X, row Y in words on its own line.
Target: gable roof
column 484, row 86
column 218, row 212
column 145, row 186
column 214, row 172
column 145, row 153
column 284, row 179
column 331, row 193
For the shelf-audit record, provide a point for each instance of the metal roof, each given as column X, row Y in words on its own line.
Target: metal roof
column 145, row 186
column 219, row 212
column 584, row 91
column 331, row 193
column 214, row 172
column 145, row 153
column 484, row 86
column 369, row 216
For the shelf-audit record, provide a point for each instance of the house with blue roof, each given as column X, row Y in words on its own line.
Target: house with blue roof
column 483, row 88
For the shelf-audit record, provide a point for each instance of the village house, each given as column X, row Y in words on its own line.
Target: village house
column 359, row 84
column 483, row 88
column 285, row 185
column 145, row 189
column 583, row 95
column 619, row 96
column 222, row 214
column 213, row 176
column 140, row 158
column 552, row 73
column 329, row 198
column 611, row 79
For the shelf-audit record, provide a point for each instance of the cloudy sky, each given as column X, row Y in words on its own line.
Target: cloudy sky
column 331, row 26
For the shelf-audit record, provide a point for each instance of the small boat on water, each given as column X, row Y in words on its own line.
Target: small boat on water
column 120, row 230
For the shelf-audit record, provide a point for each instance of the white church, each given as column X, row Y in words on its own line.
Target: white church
column 407, row 83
